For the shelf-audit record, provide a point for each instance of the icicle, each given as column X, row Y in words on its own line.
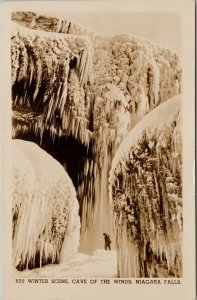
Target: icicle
column 85, row 63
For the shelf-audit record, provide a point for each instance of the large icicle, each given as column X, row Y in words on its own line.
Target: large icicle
column 45, row 209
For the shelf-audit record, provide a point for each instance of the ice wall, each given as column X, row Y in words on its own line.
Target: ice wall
column 93, row 89
column 46, row 223
column 146, row 194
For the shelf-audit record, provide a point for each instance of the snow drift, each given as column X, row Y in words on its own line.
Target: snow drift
column 101, row 264
column 45, row 209
column 146, row 194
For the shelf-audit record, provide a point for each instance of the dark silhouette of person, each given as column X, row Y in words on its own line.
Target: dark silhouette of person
column 149, row 252
column 107, row 241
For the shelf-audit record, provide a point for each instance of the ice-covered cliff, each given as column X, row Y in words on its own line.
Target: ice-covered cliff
column 146, row 191
column 71, row 82
column 51, row 24
column 46, row 223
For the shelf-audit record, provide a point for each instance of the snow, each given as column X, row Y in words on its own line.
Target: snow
column 101, row 264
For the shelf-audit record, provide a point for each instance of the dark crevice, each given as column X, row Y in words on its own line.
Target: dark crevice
column 36, row 262
column 69, row 152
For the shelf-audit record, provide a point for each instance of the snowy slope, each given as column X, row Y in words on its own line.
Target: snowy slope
column 101, row 264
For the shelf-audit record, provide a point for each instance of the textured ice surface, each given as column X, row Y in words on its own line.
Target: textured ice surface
column 146, row 194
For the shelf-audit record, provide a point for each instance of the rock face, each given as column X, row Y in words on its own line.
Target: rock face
column 70, row 81
column 46, row 223
column 146, row 191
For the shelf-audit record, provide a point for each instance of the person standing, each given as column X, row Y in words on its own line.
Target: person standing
column 107, row 241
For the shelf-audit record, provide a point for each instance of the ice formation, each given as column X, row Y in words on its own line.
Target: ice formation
column 46, row 223
column 70, row 81
column 146, row 194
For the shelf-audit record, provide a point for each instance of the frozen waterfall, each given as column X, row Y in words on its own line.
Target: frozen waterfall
column 71, row 83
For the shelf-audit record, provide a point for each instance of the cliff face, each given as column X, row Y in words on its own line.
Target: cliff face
column 51, row 24
column 45, row 209
column 72, row 82
column 146, row 191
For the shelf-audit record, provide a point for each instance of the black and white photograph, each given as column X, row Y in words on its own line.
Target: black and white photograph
column 97, row 183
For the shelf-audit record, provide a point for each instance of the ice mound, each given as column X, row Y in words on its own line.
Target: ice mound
column 45, row 209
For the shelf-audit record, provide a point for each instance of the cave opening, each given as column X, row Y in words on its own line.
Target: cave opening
column 68, row 151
